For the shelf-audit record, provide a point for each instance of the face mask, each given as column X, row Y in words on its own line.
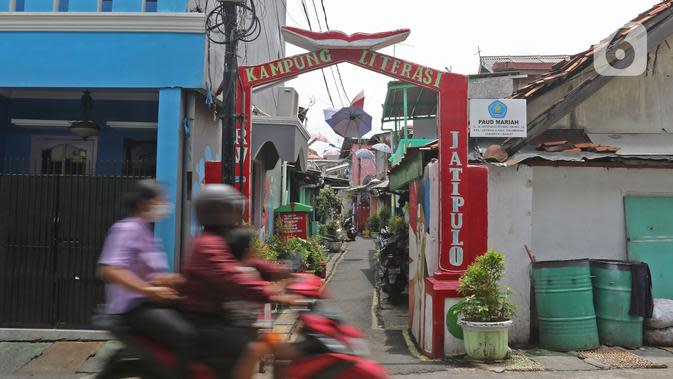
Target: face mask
column 160, row 212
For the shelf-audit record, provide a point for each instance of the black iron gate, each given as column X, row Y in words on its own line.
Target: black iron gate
column 52, row 228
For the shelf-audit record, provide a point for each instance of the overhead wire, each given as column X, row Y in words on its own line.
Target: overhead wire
column 331, row 68
column 324, row 11
column 310, row 27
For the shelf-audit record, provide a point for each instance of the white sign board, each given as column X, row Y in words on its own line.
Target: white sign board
column 498, row 118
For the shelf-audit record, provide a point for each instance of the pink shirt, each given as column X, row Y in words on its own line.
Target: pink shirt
column 130, row 244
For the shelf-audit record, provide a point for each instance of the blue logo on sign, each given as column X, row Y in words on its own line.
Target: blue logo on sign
column 497, row 109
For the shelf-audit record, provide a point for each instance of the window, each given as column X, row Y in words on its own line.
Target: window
column 19, row 5
column 106, row 6
column 150, row 5
column 63, row 5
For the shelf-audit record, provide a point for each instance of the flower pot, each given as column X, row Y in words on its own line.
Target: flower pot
column 334, row 246
column 486, row 341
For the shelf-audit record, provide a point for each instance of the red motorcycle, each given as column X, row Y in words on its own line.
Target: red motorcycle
column 335, row 347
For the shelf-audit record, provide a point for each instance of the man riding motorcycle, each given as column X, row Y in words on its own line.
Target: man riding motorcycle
column 138, row 288
column 212, row 276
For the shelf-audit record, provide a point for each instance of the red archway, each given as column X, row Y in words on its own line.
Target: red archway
column 463, row 188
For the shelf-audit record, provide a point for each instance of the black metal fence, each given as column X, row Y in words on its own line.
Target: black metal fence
column 52, row 227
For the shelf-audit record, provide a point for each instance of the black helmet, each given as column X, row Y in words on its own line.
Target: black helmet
column 219, row 205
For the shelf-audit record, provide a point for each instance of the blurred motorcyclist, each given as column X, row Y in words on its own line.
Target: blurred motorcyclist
column 138, row 287
column 213, row 276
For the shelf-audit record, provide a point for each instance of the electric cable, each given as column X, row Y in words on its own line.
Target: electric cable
column 310, row 27
column 324, row 11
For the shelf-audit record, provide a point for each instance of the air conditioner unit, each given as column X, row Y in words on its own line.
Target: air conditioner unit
column 288, row 102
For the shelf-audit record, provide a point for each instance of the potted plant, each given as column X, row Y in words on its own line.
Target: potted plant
column 384, row 215
column 486, row 310
column 332, row 238
column 374, row 225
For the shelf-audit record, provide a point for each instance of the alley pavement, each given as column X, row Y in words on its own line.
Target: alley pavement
column 352, row 292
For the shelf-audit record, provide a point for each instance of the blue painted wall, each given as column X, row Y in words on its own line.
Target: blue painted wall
column 82, row 6
column 169, row 162
column 127, row 5
column 92, row 5
column 38, row 5
column 172, row 5
column 15, row 141
column 101, row 60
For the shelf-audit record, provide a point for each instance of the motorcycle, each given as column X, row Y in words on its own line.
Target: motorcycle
column 383, row 238
column 335, row 347
column 393, row 268
column 351, row 233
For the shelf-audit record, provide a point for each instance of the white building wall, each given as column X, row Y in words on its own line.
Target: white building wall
column 579, row 212
column 510, row 201
column 561, row 213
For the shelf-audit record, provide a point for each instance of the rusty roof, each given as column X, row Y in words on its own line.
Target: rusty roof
column 568, row 68
column 494, row 63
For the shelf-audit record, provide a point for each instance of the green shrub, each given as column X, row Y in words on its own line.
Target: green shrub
column 327, row 204
column 373, row 223
column 265, row 249
column 384, row 215
column 485, row 300
column 331, row 229
column 311, row 251
column 398, row 226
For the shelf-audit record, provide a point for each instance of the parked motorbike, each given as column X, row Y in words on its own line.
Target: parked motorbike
column 393, row 267
column 349, row 226
column 335, row 347
column 383, row 238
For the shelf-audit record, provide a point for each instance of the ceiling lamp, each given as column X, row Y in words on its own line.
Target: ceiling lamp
column 84, row 127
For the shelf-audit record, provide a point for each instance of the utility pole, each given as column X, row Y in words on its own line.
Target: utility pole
column 230, row 79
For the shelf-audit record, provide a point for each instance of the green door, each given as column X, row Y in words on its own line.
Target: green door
column 649, row 237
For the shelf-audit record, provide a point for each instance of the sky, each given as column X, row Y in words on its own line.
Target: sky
column 447, row 34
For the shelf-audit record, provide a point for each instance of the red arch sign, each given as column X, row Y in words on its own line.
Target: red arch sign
column 463, row 214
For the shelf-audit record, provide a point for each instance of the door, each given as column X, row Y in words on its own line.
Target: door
column 59, row 155
column 52, row 229
column 649, row 237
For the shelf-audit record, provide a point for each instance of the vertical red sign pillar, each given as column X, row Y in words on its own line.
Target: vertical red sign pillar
column 463, row 209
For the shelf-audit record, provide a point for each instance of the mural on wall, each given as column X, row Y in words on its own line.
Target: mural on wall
column 423, row 251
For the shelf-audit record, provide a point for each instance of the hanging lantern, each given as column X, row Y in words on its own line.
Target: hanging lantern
column 84, row 127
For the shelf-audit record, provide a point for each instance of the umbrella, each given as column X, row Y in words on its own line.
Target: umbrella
column 364, row 154
column 359, row 100
column 351, row 122
column 382, row 147
column 332, row 153
column 329, row 112
column 319, row 137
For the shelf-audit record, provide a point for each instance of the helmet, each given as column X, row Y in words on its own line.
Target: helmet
column 219, row 205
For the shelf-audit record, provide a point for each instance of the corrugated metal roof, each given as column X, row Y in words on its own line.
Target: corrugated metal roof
column 421, row 102
column 569, row 68
column 487, row 61
column 637, row 144
column 641, row 146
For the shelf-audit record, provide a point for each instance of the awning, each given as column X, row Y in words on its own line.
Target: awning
column 421, row 103
column 279, row 137
column 411, row 165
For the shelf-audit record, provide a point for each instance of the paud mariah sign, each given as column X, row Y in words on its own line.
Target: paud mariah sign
column 498, row 118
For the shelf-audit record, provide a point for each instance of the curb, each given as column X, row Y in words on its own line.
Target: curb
column 51, row 335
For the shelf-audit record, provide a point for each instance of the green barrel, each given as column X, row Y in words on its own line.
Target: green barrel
column 565, row 305
column 612, row 300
